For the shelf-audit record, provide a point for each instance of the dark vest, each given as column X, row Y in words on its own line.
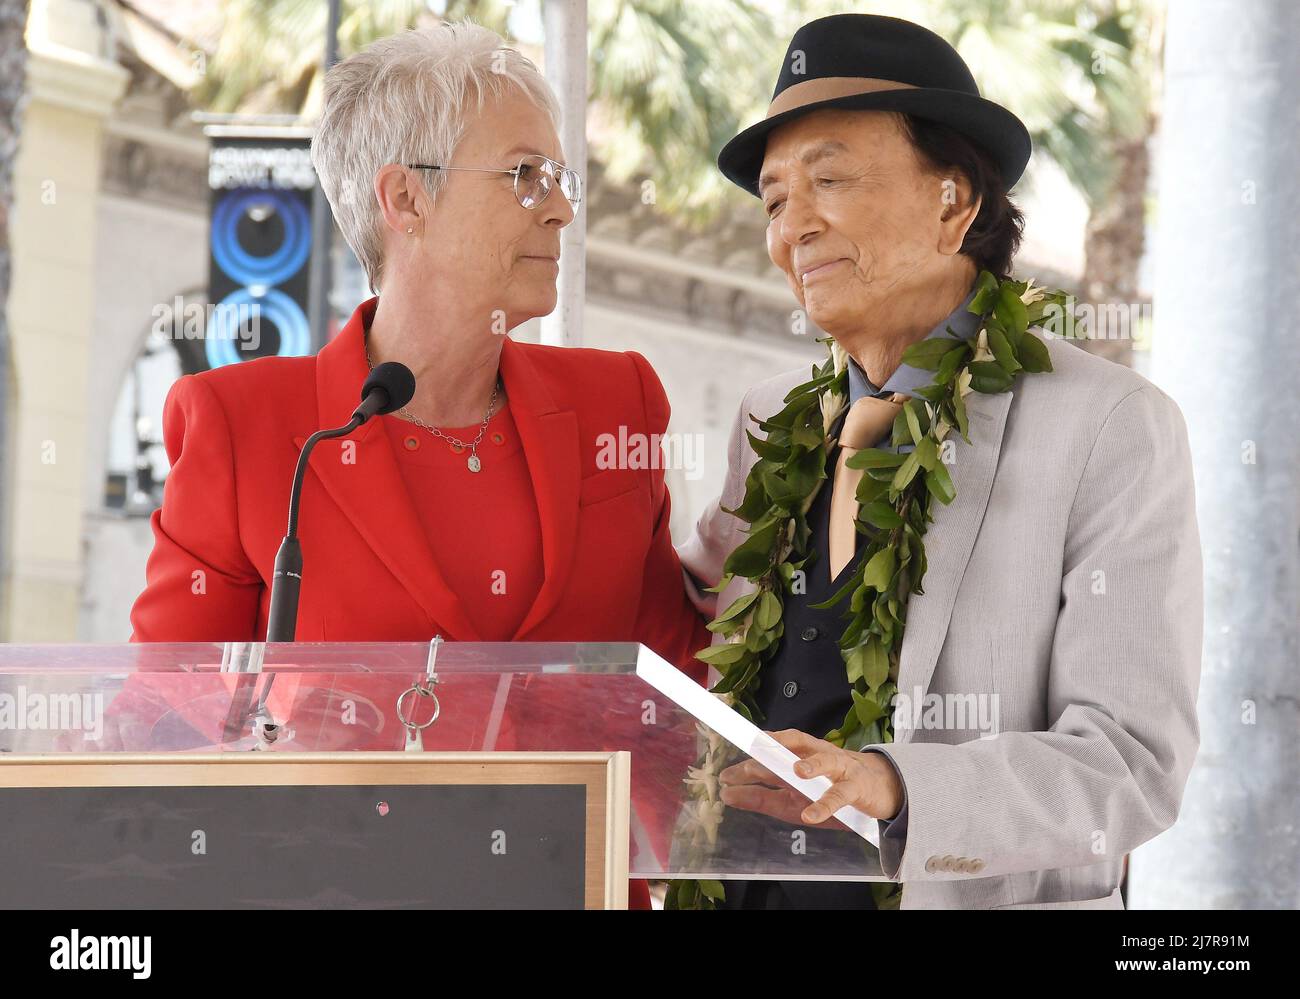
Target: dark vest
column 803, row 686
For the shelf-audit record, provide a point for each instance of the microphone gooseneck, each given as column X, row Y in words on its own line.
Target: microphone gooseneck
column 389, row 387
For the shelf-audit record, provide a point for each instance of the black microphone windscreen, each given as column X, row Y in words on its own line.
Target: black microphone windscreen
column 395, row 380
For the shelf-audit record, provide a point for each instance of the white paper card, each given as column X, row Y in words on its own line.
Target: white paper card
column 744, row 735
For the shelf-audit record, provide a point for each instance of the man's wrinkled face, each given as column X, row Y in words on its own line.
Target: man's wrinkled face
column 854, row 216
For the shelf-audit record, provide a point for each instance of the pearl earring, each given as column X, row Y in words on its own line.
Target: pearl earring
column 410, row 229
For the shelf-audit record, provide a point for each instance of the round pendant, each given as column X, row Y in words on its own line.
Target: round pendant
column 474, row 463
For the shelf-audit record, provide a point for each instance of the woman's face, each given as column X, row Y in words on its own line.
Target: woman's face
column 480, row 244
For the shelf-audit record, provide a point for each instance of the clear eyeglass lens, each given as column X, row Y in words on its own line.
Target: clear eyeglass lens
column 571, row 185
column 533, row 182
column 536, row 177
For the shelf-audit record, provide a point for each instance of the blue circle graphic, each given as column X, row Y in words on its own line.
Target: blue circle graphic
column 221, row 342
column 242, row 266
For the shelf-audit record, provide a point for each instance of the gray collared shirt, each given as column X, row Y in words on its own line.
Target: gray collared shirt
column 907, row 379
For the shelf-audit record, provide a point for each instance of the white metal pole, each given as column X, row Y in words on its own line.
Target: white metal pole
column 1227, row 295
column 564, row 24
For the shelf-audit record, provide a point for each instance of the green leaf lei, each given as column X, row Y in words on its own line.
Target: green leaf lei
column 894, row 498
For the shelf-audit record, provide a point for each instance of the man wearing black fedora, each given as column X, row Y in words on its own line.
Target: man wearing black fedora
column 964, row 586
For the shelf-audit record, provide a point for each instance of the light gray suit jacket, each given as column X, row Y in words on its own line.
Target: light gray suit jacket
column 1063, row 592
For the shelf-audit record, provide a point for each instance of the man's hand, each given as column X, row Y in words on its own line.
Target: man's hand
column 867, row 781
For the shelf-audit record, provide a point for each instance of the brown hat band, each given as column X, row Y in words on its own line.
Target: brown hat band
column 828, row 88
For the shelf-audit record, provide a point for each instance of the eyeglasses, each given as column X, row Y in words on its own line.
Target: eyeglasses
column 534, row 177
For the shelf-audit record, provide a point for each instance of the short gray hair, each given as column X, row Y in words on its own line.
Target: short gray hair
column 403, row 99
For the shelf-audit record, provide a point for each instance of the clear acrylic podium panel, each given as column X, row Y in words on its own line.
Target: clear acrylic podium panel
column 337, row 697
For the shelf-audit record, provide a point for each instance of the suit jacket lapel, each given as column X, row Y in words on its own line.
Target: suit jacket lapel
column 949, row 541
column 551, row 448
column 393, row 531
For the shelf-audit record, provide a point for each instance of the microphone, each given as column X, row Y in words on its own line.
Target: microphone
column 389, row 387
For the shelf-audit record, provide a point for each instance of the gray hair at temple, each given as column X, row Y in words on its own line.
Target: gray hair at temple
column 405, row 99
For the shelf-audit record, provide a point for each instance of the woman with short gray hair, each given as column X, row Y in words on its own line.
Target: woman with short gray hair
column 408, row 99
column 484, row 509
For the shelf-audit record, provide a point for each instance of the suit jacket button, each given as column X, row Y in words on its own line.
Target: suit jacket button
column 947, row 862
column 810, row 634
column 932, row 865
column 976, row 866
column 790, row 689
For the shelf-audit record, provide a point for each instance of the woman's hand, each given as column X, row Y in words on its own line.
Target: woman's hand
column 867, row 781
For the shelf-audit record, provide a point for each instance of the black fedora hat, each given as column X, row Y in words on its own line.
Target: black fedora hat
column 866, row 62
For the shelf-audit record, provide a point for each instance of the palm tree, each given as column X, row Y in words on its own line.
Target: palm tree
column 1088, row 103
column 268, row 58
column 672, row 80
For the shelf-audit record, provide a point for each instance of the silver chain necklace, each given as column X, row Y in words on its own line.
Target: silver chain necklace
column 474, row 463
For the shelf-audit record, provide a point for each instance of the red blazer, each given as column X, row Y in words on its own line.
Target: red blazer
column 233, row 436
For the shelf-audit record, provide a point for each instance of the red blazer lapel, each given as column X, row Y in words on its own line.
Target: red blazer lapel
column 367, row 483
column 550, row 439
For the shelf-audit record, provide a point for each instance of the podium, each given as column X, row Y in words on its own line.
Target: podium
column 380, row 775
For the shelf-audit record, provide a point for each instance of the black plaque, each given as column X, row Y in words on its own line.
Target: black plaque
column 403, row 846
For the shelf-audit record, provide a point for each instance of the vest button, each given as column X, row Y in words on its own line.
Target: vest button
column 810, row 634
column 790, row 689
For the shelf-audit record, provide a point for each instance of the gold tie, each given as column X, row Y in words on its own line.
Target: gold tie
column 865, row 425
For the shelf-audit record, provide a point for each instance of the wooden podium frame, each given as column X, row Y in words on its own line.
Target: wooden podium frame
column 606, row 777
